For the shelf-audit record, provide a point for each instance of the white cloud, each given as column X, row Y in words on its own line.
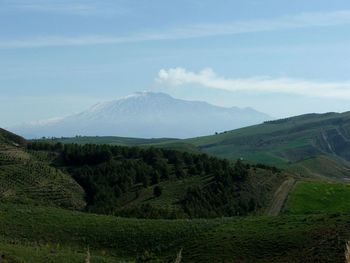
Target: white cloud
column 303, row 20
column 209, row 79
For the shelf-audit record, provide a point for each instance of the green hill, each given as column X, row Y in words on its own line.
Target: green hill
column 7, row 137
column 24, row 177
column 297, row 143
column 42, row 234
column 38, row 180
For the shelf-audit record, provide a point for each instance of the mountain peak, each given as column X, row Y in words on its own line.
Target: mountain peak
column 147, row 114
column 147, row 94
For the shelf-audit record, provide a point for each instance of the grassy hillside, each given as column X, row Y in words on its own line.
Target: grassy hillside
column 26, row 178
column 323, row 167
column 318, row 197
column 9, row 138
column 306, row 143
column 37, row 180
column 41, row 234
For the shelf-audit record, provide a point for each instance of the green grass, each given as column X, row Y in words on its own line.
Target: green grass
column 42, row 234
column 325, row 166
column 274, row 239
column 297, row 132
column 118, row 237
column 50, row 253
column 318, row 197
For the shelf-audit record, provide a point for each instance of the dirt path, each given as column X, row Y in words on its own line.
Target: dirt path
column 324, row 136
column 280, row 197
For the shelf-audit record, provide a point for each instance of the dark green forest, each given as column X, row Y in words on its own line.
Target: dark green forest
column 107, row 173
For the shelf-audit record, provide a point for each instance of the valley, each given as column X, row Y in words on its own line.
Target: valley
column 207, row 204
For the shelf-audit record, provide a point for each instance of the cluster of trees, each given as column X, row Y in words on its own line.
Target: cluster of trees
column 267, row 167
column 223, row 196
column 107, row 173
column 44, row 146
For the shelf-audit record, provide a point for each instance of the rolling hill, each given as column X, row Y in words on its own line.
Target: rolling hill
column 44, row 234
column 317, row 144
column 35, row 228
column 27, row 178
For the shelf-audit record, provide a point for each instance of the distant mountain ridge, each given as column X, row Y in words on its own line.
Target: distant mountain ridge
column 147, row 115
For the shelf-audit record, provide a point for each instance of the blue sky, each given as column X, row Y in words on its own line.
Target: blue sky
column 280, row 57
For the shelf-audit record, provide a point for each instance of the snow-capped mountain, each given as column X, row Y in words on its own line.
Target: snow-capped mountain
column 147, row 115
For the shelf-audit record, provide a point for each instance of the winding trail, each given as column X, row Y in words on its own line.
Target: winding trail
column 280, row 197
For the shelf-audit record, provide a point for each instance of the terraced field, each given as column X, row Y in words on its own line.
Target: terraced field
column 24, row 178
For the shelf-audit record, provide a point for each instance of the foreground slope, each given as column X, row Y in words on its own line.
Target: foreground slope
column 149, row 115
column 41, row 234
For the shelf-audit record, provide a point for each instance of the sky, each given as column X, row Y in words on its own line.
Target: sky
column 280, row 57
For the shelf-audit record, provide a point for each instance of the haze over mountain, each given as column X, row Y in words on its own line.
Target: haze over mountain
column 147, row 115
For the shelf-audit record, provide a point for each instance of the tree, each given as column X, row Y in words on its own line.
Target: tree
column 179, row 172
column 155, row 177
column 157, row 191
column 240, row 171
column 145, row 180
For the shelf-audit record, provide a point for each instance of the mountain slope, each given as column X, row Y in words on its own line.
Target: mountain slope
column 298, row 143
column 147, row 115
